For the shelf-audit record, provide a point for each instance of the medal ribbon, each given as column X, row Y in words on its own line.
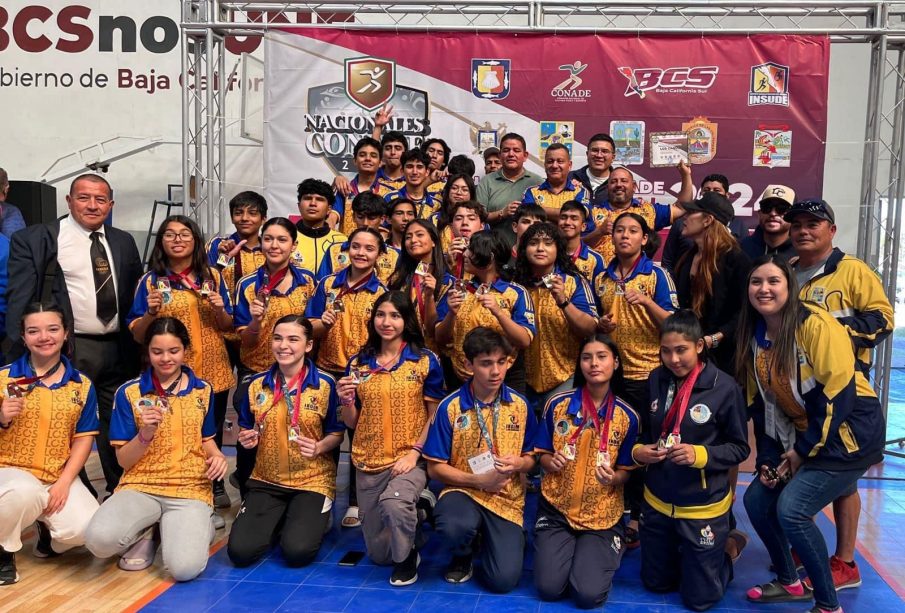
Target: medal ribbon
column 679, row 405
column 158, row 388
column 591, row 414
column 29, row 383
column 183, row 278
column 575, row 255
column 482, row 425
column 380, row 367
column 418, row 286
column 272, row 281
column 350, row 289
column 281, row 391
column 623, row 278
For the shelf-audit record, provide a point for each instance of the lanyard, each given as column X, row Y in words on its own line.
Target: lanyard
column 183, row 278
column 590, row 414
column 622, row 279
column 576, row 254
column 158, row 388
column 679, row 405
column 29, row 383
column 271, row 281
column 460, row 265
column 482, row 425
column 349, row 289
column 281, row 390
column 366, row 372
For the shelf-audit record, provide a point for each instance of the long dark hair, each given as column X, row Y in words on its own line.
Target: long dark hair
column 444, row 217
column 48, row 307
column 717, row 240
column 686, row 324
column 402, row 277
column 617, row 382
column 159, row 263
column 523, row 274
column 167, row 325
column 411, row 331
column 792, row 314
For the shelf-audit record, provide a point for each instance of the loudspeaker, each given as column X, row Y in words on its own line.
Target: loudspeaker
column 36, row 200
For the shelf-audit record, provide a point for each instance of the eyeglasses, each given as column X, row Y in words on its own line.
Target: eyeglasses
column 171, row 236
column 599, row 151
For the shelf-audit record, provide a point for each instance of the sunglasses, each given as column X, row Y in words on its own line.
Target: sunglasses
column 780, row 208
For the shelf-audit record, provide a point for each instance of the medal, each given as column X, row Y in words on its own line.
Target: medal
column 14, row 391
column 568, row 450
column 293, row 434
column 461, row 286
column 421, row 269
column 661, row 444
column 163, row 285
column 207, row 288
column 339, row 306
column 603, row 458
column 672, row 440
column 548, row 280
column 224, row 260
column 483, row 288
column 263, row 297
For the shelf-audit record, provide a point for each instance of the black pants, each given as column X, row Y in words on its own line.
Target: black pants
column 268, row 511
column 99, row 358
column 584, row 560
column 637, row 394
column 460, row 519
column 245, row 458
column 688, row 555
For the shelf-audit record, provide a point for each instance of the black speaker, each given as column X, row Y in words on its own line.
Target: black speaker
column 36, row 200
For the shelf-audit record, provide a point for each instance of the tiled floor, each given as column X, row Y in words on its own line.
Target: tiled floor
column 326, row 586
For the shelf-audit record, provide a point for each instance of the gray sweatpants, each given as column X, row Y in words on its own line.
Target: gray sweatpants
column 389, row 518
column 185, row 529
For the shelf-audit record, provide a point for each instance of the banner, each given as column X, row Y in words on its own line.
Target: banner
column 752, row 108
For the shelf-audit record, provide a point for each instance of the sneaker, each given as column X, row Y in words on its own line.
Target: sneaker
column 8, row 574
column 844, row 576
column 217, row 521
column 632, row 538
column 427, row 500
column 234, row 479
column 406, row 572
column 816, row 609
column 221, row 498
column 459, row 570
column 42, row 548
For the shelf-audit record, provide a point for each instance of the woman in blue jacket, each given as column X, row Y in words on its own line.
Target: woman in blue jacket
column 817, row 422
column 697, row 435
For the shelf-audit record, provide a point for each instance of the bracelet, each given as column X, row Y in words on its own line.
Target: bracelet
column 564, row 303
column 418, row 448
column 143, row 440
column 7, row 426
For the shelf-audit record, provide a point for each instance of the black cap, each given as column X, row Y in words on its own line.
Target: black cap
column 489, row 151
column 813, row 206
column 714, row 204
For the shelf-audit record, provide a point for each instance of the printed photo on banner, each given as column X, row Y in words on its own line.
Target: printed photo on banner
column 701, row 140
column 629, row 138
column 668, row 148
column 556, row 132
column 490, row 78
column 772, row 147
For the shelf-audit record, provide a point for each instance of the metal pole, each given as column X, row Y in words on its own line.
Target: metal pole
column 871, row 151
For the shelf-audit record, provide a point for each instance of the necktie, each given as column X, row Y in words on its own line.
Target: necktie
column 103, row 280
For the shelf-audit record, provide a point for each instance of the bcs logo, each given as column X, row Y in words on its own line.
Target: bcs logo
column 675, row 80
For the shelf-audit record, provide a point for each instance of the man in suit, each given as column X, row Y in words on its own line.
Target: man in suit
column 90, row 269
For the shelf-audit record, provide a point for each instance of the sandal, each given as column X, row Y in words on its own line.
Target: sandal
column 350, row 519
column 141, row 554
column 776, row 592
column 741, row 541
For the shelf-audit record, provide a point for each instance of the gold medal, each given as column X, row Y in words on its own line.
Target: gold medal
column 568, row 450
column 603, row 458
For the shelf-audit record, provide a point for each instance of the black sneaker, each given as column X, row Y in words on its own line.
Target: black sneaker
column 459, row 570
column 406, row 572
column 221, row 498
column 8, row 574
column 234, row 479
column 427, row 500
column 42, row 548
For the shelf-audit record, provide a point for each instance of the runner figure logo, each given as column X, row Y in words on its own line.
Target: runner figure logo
column 370, row 82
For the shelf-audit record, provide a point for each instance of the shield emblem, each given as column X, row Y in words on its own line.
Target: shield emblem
column 370, row 82
column 490, row 78
column 701, row 140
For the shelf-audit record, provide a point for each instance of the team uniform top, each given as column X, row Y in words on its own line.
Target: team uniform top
column 259, row 356
column 637, row 333
column 391, row 185
column 550, row 358
column 417, row 298
column 393, row 412
column 575, row 491
column 456, row 435
column 349, row 333
column 544, row 196
column 589, row 263
column 207, row 352
column 343, row 206
column 657, row 216
column 338, row 259
column 173, row 464
column 511, row 297
column 425, row 206
column 247, row 260
column 310, row 251
column 279, row 460
column 38, row 440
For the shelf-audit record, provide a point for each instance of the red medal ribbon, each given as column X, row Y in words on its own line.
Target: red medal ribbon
column 621, row 280
column 460, row 265
column 380, row 368
column 273, row 281
column 350, row 289
column 575, row 255
column 679, row 405
column 590, row 414
column 296, row 383
column 183, row 278
column 158, row 388
column 30, row 382
column 418, row 286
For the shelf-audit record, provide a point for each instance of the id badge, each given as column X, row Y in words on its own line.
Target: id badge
column 224, row 260
column 603, row 458
column 568, row 450
column 482, row 463
column 672, row 440
column 293, row 434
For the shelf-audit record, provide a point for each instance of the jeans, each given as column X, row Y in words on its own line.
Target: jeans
column 784, row 516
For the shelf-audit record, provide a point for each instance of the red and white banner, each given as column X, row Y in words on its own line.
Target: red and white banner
column 753, row 108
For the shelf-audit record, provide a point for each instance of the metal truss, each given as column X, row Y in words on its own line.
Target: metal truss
column 206, row 23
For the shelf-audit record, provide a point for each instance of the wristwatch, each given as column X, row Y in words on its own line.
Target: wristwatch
column 564, row 303
column 714, row 341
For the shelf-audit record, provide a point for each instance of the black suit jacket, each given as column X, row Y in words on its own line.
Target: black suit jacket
column 33, row 253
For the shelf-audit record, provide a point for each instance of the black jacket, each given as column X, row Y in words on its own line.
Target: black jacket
column 715, row 423
column 721, row 310
column 754, row 246
column 33, row 253
column 598, row 196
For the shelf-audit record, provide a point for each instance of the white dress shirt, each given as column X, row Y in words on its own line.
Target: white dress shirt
column 74, row 256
